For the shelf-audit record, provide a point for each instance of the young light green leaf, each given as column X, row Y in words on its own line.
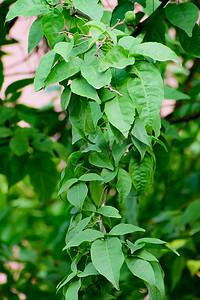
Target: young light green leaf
column 19, row 145
column 141, row 173
column 72, row 290
column 91, row 177
column 146, row 91
column 120, row 112
column 184, row 16
column 129, row 42
column 145, row 255
column 88, row 235
column 64, row 70
column 109, row 211
column 67, row 184
column 64, row 49
column 35, row 34
column 91, row 73
column 52, row 23
column 43, row 70
column 141, row 269
column 122, row 229
column 170, row 93
column 116, row 58
column 77, row 194
column 88, row 271
column 90, row 8
column 83, row 88
column 107, row 258
column 139, row 131
column 101, row 160
column 156, row 51
column 97, row 24
column 124, row 183
column 26, row 8
column 65, row 98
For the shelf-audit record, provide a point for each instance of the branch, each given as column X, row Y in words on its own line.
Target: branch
column 112, row 90
column 103, row 204
column 143, row 23
column 187, row 118
column 76, row 12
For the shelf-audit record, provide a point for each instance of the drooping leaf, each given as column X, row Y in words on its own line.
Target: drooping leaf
column 141, row 173
column 18, row 85
column 77, row 194
column 35, row 34
column 52, row 23
column 66, row 280
column 116, row 58
column 19, row 145
column 101, row 160
column 83, row 88
column 72, row 290
column 141, row 269
column 146, row 91
column 118, row 151
column 122, row 229
column 109, row 211
column 43, row 70
column 188, row 42
column 170, row 93
column 64, row 49
column 157, row 292
column 124, row 183
column 87, row 235
column 26, row 8
column 90, row 8
column 120, row 112
column 64, row 70
column 91, row 73
column 156, row 51
column 183, row 15
column 140, row 133
column 65, row 98
column 107, row 258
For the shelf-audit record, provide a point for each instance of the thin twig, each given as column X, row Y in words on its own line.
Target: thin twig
column 112, row 90
column 187, row 118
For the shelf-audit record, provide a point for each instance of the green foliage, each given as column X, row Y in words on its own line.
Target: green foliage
column 111, row 137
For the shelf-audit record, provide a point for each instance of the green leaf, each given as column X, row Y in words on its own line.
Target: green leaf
column 141, row 173
column 83, row 88
column 72, row 290
column 141, row 269
column 157, row 292
column 52, row 23
column 43, row 70
column 184, row 16
column 65, row 98
column 64, row 49
column 107, row 258
column 141, row 147
column 108, row 175
column 121, row 112
column 26, row 8
column 66, row 280
column 77, row 194
column 109, row 211
column 122, row 229
column 64, row 70
column 129, row 42
column 101, row 160
column 74, row 230
column 88, row 235
column 19, row 145
column 188, row 42
column 170, row 93
column 97, row 24
column 146, row 91
column 150, row 241
column 91, row 177
column 5, row 132
column 88, row 271
column 116, row 58
column 35, row 34
column 139, row 131
column 119, row 150
column 91, row 73
column 90, row 8
column 18, row 85
column 67, row 184
column 145, row 255
column 124, row 183
column 156, row 51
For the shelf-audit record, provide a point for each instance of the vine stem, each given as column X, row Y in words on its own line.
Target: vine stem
column 103, row 204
